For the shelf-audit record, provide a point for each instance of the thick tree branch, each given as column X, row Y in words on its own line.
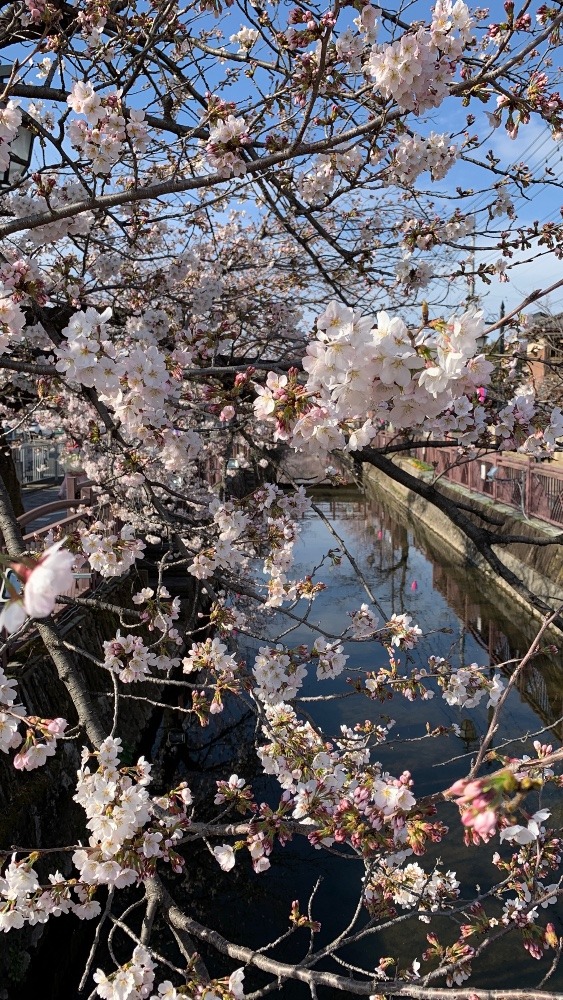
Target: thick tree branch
column 285, row 971
column 480, row 537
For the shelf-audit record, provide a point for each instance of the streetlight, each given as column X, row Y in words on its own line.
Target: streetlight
column 20, row 149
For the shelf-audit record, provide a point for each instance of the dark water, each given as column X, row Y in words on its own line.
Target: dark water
column 463, row 618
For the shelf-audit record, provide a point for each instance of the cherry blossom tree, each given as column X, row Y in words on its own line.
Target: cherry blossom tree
column 249, row 229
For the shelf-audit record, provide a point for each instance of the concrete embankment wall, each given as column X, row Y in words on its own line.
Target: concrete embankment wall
column 539, row 567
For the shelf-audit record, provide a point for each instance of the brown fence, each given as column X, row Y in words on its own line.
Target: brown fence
column 535, row 488
column 78, row 495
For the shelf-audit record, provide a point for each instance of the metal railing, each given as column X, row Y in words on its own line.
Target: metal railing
column 78, row 496
column 534, row 488
column 37, row 461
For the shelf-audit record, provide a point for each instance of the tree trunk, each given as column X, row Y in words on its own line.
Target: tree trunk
column 9, row 477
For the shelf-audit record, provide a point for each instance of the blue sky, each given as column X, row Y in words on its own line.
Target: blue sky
column 534, row 145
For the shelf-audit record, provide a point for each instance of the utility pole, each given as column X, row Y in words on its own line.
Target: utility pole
column 501, row 337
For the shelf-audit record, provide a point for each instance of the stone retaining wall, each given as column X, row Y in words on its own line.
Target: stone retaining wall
column 539, row 567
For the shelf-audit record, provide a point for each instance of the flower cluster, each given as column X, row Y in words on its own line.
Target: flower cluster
column 40, row 741
column 319, row 180
column 409, row 887
column 466, row 687
column 210, row 655
column 273, row 529
column 135, row 980
column 223, row 675
column 356, row 366
column 282, row 398
column 24, row 901
column 363, row 622
column 245, row 39
column 122, row 845
column 226, row 141
column 51, row 193
column 159, row 612
column 21, row 277
column 427, row 233
column 279, row 675
column 415, row 69
column 226, row 618
column 132, row 981
column 414, row 154
column 231, row 525
column 10, row 121
column 12, row 320
column 135, row 383
column 518, row 834
column 282, row 533
column 402, row 634
column 336, row 789
column 87, row 356
column 11, row 713
column 107, row 133
column 413, row 274
column 129, row 658
column 43, row 580
column 236, row 793
column 108, row 553
column 41, row 734
column 480, row 803
column 330, row 658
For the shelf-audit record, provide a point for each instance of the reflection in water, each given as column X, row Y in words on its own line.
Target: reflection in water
column 502, row 631
column 462, row 619
column 482, row 611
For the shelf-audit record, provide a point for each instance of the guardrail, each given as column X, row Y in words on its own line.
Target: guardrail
column 85, row 579
column 534, row 488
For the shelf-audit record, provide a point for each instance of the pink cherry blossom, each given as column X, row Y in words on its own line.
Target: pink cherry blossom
column 52, row 576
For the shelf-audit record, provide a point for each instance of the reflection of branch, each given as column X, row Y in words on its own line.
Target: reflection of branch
column 534, row 648
column 330, row 527
column 481, row 537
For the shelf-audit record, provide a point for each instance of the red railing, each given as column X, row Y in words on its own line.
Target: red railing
column 78, row 494
column 534, row 488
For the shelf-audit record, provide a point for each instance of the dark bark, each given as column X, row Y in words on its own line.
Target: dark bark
column 9, row 476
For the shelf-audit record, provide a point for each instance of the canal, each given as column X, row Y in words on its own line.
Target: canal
column 464, row 619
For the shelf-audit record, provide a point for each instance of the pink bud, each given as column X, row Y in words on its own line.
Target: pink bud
column 458, row 787
column 414, row 585
column 57, row 726
column 380, row 534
